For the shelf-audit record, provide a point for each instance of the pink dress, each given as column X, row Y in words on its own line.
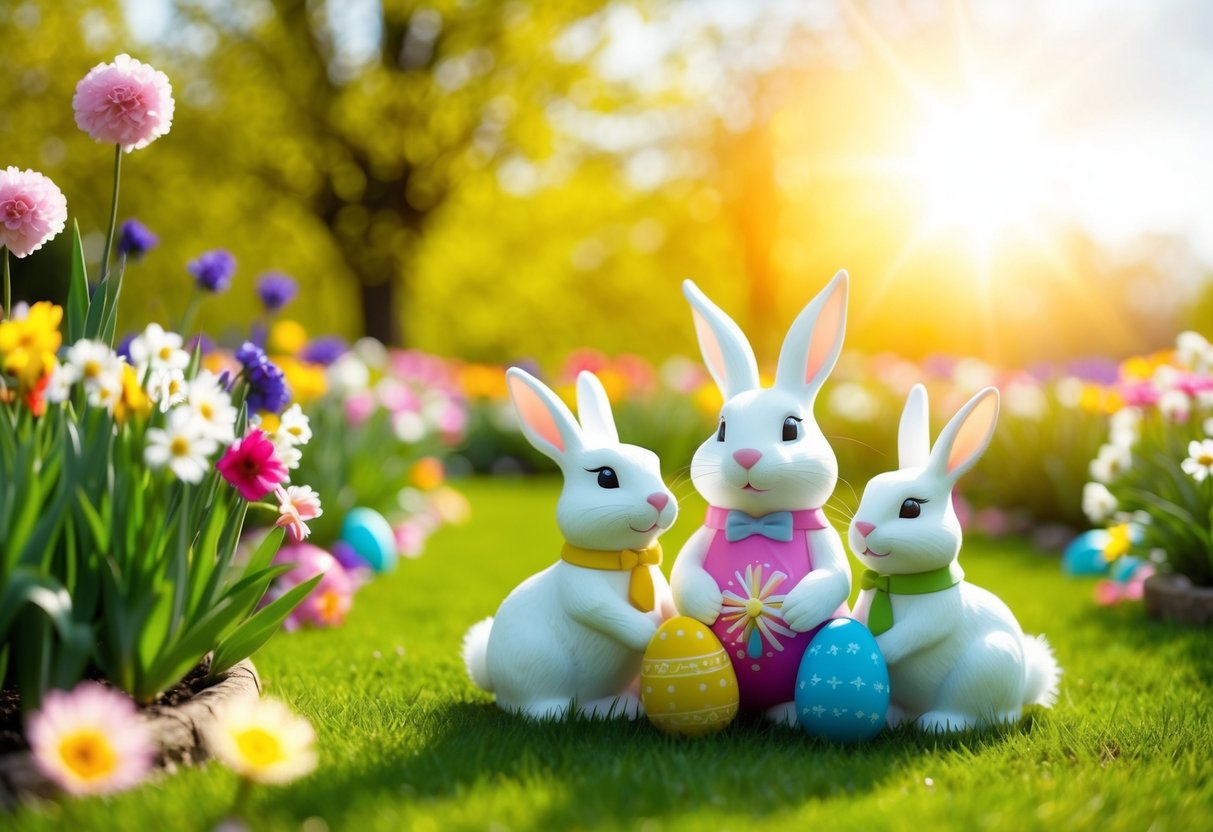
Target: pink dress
column 754, row 575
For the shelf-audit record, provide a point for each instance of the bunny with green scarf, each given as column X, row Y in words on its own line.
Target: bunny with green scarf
column 957, row 656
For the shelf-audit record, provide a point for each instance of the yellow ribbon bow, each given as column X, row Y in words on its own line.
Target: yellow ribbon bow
column 640, row 588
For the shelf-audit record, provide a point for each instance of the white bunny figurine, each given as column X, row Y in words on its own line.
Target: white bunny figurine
column 766, row 569
column 957, row 656
column 575, row 632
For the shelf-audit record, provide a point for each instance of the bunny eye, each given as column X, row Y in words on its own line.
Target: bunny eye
column 720, row 433
column 911, row 508
column 791, row 429
column 607, row 478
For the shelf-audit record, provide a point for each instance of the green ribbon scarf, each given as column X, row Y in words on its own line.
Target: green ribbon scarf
column 880, row 617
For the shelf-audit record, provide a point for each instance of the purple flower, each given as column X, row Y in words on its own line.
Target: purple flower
column 123, row 349
column 276, row 290
column 213, row 270
column 135, row 240
column 324, row 350
column 249, row 353
column 267, row 383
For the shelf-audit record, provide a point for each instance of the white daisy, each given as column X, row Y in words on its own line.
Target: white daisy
column 167, row 387
column 96, row 366
column 59, row 388
column 1192, row 349
column 1199, row 463
column 261, row 739
column 1174, row 405
column 1097, row 502
column 212, row 407
column 287, row 453
column 160, row 349
column 181, row 445
column 294, row 426
column 1110, row 463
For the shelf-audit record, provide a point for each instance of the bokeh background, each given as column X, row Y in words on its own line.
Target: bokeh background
column 1021, row 182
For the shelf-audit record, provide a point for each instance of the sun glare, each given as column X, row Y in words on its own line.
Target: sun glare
column 981, row 169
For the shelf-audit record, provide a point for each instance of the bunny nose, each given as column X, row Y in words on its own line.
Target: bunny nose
column 865, row 528
column 658, row 500
column 747, row 457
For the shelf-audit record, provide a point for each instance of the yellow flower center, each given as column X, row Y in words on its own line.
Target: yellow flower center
column 295, row 430
column 92, row 369
column 207, row 411
column 180, row 446
column 88, row 754
column 165, row 353
column 1205, row 460
column 259, row 747
column 753, row 607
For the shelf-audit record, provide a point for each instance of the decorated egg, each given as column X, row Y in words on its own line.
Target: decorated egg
column 370, row 535
column 842, row 689
column 1084, row 554
column 687, row 684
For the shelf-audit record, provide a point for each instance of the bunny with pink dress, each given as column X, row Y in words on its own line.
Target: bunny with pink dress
column 766, row 570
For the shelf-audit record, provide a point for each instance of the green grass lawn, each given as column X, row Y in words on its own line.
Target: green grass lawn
column 406, row 742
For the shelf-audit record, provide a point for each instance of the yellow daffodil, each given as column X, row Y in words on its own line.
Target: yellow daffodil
column 28, row 345
column 287, row 337
column 308, row 382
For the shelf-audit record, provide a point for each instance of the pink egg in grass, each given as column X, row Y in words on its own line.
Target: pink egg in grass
column 329, row 602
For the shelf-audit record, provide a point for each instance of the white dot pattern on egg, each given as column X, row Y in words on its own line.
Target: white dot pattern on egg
column 842, row 689
column 687, row 680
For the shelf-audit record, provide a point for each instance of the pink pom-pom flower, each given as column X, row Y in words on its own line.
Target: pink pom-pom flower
column 32, row 210
column 126, row 102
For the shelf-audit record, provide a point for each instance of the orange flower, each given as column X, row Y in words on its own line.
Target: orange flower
column 427, row 474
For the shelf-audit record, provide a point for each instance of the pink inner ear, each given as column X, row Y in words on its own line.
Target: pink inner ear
column 709, row 345
column 973, row 433
column 825, row 334
column 534, row 412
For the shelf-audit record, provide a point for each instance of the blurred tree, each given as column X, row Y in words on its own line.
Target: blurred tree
column 378, row 111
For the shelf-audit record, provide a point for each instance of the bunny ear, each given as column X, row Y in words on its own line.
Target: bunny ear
column 725, row 349
column 594, row 410
column 967, row 436
column 814, row 341
column 914, row 434
column 546, row 422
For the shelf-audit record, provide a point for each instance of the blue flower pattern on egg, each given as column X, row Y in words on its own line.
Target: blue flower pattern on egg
column 842, row 689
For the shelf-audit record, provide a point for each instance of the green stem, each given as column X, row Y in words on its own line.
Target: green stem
column 191, row 312
column 109, row 239
column 242, row 795
column 8, row 287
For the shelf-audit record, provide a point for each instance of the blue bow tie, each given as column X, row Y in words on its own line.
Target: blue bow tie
column 777, row 526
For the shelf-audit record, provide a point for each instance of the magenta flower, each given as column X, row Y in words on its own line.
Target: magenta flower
column 90, row 741
column 32, row 210
column 126, row 102
column 252, row 466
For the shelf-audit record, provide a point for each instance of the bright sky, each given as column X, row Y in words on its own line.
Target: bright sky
column 1133, row 80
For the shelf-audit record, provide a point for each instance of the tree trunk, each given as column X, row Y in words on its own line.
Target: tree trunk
column 380, row 318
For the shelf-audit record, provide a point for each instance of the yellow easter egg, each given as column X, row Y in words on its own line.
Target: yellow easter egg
column 687, row 682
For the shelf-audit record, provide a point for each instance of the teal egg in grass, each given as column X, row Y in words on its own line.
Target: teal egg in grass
column 842, row 689
column 1084, row 554
column 370, row 535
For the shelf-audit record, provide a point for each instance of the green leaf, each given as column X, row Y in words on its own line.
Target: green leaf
column 257, row 630
column 77, row 294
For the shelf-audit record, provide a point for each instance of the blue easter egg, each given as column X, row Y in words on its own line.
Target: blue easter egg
column 370, row 535
column 1123, row 568
column 842, row 689
column 1084, row 554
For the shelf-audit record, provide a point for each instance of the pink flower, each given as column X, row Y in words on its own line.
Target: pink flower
column 296, row 505
column 252, row 466
column 127, row 103
column 90, row 741
column 32, row 210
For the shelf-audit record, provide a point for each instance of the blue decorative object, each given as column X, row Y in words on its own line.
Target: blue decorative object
column 1084, row 554
column 365, row 530
column 842, row 689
